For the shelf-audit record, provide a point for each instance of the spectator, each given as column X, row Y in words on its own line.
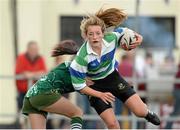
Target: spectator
column 151, row 70
column 125, row 67
column 168, row 67
column 29, row 65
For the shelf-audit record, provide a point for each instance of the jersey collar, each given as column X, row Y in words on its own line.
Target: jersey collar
column 90, row 50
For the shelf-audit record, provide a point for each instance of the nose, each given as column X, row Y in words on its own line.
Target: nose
column 94, row 36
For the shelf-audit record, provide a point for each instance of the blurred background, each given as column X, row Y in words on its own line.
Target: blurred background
column 31, row 28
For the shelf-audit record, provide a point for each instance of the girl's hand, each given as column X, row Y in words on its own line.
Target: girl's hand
column 138, row 41
column 107, row 97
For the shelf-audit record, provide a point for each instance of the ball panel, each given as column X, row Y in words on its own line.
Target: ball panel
column 128, row 37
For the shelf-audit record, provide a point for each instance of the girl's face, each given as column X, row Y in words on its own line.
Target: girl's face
column 94, row 35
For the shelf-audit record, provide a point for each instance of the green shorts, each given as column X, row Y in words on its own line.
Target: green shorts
column 36, row 104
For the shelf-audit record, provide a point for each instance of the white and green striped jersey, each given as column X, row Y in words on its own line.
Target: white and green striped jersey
column 88, row 64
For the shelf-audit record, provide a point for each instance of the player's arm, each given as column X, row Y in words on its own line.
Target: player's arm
column 105, row 96
column 78, row 71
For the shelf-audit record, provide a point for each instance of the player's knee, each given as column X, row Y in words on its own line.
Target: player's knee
column 78, row 112
column 141, row 112
column 113, row 125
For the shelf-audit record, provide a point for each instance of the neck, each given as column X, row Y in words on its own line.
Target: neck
column 97, row 49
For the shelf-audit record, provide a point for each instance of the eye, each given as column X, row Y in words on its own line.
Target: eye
column 90, row 34
column 98, row 33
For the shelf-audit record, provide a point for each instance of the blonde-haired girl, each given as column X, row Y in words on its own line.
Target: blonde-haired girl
column 95, row 60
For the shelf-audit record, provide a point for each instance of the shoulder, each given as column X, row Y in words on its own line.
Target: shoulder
column 109, row 37
column 64, row 65
column 41, row 58
column 21, row 57
column 83, row 50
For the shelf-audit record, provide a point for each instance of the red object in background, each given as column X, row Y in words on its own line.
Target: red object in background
column 177, row 85
column 125, row 69
column 142, row 87
column 23, row 64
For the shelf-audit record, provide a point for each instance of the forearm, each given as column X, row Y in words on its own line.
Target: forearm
column 104, row 96
column 89, row 91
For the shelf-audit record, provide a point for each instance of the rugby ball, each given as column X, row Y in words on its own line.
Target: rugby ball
column 128, row 37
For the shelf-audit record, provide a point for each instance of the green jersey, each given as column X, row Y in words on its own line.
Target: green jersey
column 57, row 80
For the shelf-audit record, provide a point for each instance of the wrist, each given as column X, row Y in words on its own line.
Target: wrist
column 99, row 94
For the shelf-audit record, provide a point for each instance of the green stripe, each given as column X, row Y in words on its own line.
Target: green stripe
column 81, row 55
column 76, row 120
column 77, row 80
column 109, row 37
column 81, row 61
column 102, row 74
column 83, row 50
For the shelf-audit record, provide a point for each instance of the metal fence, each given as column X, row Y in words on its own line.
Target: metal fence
column 93, row 117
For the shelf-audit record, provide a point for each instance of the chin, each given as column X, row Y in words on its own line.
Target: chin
column 97, row 44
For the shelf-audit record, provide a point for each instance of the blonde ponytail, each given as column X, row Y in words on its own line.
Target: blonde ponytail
column 111, row 16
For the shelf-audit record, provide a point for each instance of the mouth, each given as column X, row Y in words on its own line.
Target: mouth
column 95, row 41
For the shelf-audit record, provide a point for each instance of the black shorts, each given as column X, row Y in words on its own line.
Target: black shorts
column 115, row 84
